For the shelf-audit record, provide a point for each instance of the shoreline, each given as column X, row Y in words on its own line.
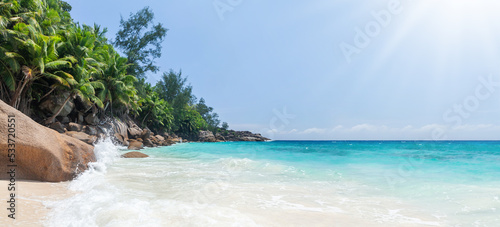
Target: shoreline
column 30, row 198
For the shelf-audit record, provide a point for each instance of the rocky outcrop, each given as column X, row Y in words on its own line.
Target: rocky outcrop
column 146, row 133
column 232, row 135
column 206, row 136
column 135, row 145
column 58, row 127
column 74, row 127
column 124, row 132
column 52, row 105
column 82, row 121
column 146, row 137
column 175, row 139
column 134, row 154
column 91, row 130
column 42, row 154
column 79, row 119
column 134, row 132
column 82, row 137
column 63, row 120
column 159, row 138
column 119, row 130
column 119, row 138
column 219, row 137
column 148, row 143
column 92, row 119
column 80, row 116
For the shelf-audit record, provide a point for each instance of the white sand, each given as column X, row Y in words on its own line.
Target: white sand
column 30, row 211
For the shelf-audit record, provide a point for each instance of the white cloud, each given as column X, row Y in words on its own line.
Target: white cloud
column 364, row 127
column 338, row 128
column 314, row 130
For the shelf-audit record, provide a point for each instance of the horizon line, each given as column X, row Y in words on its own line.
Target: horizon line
column 388, row 140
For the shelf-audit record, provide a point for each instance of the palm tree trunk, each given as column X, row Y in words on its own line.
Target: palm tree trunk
column 54, row 88
column 51, row 119
column 17, row 95
column 19, row 90
column 4, row 92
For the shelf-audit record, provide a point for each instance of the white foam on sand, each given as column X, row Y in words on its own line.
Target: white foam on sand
column 79, row 210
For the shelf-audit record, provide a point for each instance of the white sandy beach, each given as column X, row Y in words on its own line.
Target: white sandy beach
column 30, row 211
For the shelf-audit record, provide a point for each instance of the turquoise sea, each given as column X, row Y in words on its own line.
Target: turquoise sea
column 289, row 183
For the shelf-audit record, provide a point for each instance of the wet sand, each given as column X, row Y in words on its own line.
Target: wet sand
column 30, row 210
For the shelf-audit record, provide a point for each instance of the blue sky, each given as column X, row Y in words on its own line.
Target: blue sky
column 327, row 69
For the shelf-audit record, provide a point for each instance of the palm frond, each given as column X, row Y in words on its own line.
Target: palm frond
column 97, row 85
column 58, row 65
column 58, row 79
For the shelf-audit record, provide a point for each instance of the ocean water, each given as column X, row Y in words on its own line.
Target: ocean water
column 289, row 183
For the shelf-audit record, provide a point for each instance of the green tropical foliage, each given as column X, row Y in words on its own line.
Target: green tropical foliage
column 206, row 112
column 119, row 93
column 155, row 112
column 29, row 48
column 188, row 122
column 140, row 45
column 44, row 53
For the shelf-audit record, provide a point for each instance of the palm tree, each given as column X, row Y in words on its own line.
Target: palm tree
column 40, row 57
column 119, row 90
column 26, row 54
column 42, row 51
column 9, row 59
column 83, row 80
column 9, row 67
